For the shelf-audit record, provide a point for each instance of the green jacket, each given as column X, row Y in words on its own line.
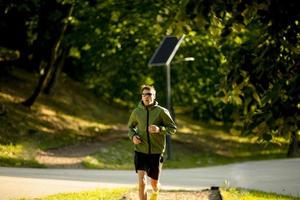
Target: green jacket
column 141, row 118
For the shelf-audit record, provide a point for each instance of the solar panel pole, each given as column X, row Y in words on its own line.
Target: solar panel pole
column 163, row 56
column 168, row 84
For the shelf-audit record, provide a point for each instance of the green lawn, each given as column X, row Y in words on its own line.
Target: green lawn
column 243, row 194
column 99, row 194
column 119, row 193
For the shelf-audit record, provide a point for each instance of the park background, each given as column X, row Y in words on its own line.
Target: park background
column 71, row 73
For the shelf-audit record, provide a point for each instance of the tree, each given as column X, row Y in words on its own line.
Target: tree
column 14, row 30
column 48, row 43
column 259, row 41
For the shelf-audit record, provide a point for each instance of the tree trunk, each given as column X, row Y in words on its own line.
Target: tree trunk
column 45, row 75
column 2, row 110
column 293, row 150
column 52, row 59
column 49, row 89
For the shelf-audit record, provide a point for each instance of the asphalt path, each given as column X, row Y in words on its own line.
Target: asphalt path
column 279, row 176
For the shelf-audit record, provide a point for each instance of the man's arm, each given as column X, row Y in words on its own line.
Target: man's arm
column 132, row 122
column 169, row 126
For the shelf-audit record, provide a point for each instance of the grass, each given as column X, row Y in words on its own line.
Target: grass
column 115, row 156
column 18, row 156
column 119, row 193
column 243, row 194
column 73, row 115
column 98, row 194
column 194, row 145
column 53, row 121
column 199, row 144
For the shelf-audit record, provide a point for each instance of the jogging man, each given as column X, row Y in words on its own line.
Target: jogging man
column 148, row 125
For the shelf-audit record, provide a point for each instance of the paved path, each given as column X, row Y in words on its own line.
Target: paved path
column 280, row 176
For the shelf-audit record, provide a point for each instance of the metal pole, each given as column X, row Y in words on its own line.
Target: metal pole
column 168, row 137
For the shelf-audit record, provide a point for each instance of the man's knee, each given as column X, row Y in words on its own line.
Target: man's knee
column 154, row 183
column 142, row 179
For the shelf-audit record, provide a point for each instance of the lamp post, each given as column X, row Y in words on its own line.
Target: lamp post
column 168, row 79
column 168, row 84
column 163, row 56
column 169, row 102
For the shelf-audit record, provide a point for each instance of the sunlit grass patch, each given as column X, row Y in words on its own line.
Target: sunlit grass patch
column 197, row 144
column 121, row 193
column 9, row 98
column 71, row 122
column 11, row 150
column 18, row 162
column 209, row 146
column 243, row 194
column 118, row 155
column 98, row 194
column 18, row 155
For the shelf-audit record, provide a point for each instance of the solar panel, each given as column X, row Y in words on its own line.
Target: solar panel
column 166, row 51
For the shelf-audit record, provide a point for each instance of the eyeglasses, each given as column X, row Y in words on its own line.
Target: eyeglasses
column 146, row 94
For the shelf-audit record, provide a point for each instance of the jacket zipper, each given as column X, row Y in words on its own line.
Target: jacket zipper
column 148, row 136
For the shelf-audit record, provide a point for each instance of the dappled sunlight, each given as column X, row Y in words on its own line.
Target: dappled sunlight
column 226, row 153
column 187, row 130
column 189, row 138
column 22, row 150
column 187, row 127
column 10, row 98
column 11, row 150
column 236, row 138
column 46, row 111
column 260, row 152
column 209, row 144
column 42, row 128
column 111, row 157
column 64, row 121
column 270, row 151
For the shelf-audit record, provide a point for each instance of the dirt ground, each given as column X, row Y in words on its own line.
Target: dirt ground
column 72, row 156
column 69, row 156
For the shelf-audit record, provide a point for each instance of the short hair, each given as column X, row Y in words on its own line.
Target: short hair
column 148, row 87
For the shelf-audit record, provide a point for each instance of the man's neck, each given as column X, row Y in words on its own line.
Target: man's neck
column 149, row 105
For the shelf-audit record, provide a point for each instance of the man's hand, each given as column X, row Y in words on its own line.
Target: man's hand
column 136, row 139
column 153, row 129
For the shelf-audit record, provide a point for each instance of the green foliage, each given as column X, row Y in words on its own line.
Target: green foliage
column 260, row 68
column 114, row 41
column 7, row 54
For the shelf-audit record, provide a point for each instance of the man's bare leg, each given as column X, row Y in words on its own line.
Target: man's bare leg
column 155, row 189
column 142, row 176
column 155, row 185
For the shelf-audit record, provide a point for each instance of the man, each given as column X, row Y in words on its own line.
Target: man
column 148, row 125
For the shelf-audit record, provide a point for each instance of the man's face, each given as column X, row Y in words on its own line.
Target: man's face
column 148, row 97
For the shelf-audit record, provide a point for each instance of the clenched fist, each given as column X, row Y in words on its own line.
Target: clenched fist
column 153, row 129
column 136, row 139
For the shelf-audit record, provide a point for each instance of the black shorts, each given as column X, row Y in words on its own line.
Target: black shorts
column 151, row 163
